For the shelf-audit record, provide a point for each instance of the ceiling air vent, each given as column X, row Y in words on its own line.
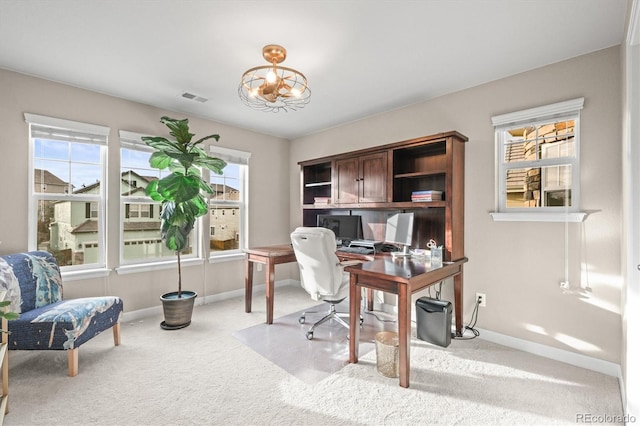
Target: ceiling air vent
column 191, row 96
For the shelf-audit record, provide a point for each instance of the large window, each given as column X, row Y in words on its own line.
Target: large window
column 538, row 163
column 228, row 203
column 140, row 240
column 67, row 196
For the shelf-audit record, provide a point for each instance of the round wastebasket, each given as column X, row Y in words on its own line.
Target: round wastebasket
column 387, row 348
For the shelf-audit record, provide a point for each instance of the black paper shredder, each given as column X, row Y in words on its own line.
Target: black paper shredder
column 433, row 319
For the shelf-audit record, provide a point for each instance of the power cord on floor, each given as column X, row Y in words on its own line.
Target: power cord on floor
column 471, row 325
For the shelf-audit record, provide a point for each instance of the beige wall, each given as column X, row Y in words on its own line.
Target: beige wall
column 519, row 265
column 270, row 157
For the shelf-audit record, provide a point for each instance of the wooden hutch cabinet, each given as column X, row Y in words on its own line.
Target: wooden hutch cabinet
column 377, row 182
column 361, row 179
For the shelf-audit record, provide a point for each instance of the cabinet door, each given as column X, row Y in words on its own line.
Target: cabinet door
column 373, row 178
column 345, row 181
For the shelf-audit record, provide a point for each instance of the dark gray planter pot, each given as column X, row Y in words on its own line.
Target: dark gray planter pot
column 177, row 311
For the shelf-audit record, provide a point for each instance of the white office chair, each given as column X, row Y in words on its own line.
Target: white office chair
column 321, row 273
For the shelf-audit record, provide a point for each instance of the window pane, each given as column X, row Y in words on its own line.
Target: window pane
column 548, row 186
column 51, row 149
column 224, row 227
column 141, row 233
column 138, row 162
column 227, row 185
column 51, row 177
column 87, row 153
column 59, row 163
column 85, row 178
column 549, row 140
column 69, row 230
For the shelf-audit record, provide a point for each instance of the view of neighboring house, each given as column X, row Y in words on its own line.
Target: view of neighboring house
column 539, row 186
column 70, row 228
column 224, row 218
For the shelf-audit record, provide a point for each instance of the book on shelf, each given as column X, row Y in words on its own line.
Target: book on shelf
column 426, row 196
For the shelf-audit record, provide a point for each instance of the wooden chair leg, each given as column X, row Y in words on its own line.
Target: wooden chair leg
column 116, row 334
column 73, row 362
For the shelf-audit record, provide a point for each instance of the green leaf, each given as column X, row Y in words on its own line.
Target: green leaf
column 10, row 316
column 152, row 191
column 199, row 141
column 162, row 144
column 179, row 129
column 178, row 188
column 214, row 164
column 160, row 160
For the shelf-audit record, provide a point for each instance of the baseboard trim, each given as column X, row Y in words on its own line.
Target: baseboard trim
column 157, row 310
column 572, row 358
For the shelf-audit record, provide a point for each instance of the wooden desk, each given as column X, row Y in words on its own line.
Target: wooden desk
column 401, row 277
column 270, row 256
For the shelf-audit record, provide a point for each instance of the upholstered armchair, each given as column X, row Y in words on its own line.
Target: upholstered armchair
column 48, row 322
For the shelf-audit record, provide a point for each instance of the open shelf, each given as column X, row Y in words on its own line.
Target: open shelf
column 378, row 181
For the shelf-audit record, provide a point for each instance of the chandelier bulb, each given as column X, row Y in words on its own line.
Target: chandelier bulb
column 271, row 76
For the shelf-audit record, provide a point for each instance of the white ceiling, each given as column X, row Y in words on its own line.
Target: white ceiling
column 361, row 57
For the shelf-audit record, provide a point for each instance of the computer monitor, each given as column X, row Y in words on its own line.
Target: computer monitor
column 346, row 227
column 400, row 231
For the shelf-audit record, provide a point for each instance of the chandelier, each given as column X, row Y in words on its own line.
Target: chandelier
column 273, row 87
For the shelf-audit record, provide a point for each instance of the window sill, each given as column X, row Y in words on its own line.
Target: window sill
column 236, row 255
column 156, row 266
column 539, row 217
column 84, row 274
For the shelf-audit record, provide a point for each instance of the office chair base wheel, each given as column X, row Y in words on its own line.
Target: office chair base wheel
column 309, row 335
column 301, row 320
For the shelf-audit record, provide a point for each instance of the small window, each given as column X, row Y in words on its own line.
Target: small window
column 228, row 230
column 538, row 163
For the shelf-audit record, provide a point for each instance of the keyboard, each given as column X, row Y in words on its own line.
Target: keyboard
column 358, row 250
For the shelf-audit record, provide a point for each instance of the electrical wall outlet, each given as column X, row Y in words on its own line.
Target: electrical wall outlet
column 482, row 298
column 259, row 267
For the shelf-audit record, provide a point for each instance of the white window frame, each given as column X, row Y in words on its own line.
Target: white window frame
column 133, row 141
column 68, row 130
column 240, row 158
column 567, row 110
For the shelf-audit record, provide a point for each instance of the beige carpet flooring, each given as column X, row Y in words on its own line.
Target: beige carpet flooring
column 285, row 344
column 203, row 375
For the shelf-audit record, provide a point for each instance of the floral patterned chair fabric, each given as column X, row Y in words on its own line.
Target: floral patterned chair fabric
column 47, row 322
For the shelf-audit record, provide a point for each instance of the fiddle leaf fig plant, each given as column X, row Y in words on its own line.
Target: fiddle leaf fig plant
column 180, row 192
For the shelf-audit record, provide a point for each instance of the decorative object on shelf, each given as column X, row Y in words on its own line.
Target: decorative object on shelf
column 182, row 203
column 274, row 87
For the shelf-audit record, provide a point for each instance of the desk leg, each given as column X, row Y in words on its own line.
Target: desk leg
column 404, row 333
column 370, row 300
column 457, row 294
column 269, row 283
column 355, row 298
column 248, row 284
